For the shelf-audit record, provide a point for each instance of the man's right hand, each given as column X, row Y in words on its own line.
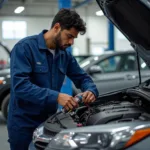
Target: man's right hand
column 67, row 101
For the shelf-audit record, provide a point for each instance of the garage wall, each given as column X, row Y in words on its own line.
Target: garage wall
column 121, row 43
column 34, row 26
column 96, row 30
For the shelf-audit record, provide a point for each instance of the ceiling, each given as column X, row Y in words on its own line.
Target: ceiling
column 43, row 8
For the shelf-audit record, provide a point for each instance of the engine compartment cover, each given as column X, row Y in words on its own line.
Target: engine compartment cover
column 124, row 111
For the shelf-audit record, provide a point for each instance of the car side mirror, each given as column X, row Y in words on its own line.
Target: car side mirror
column 95, row 69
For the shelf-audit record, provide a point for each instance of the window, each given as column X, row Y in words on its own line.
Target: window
column 143, row 65
column 14, row 29
column 110, row 64
column 119, row 63
column 130, row 63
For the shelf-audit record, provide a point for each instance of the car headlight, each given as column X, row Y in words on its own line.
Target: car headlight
column 116, row 139
column 39, row 136
column 75, row 140
column 38, row 131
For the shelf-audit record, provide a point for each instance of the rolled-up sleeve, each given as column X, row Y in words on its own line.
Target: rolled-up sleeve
column 80, row 78
column 22, row 87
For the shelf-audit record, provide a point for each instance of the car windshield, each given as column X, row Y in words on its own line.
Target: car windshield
column 88, row 61
column 81, row 58
column 93, row 59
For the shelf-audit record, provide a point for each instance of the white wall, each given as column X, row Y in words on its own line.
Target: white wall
column 96, row 30
column 121, row 43
column 34, row 26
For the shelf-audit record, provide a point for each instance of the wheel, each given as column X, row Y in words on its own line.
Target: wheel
column 4, row 106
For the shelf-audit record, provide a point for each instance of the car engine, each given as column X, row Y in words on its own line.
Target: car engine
column 128, row 105
column 124, row 106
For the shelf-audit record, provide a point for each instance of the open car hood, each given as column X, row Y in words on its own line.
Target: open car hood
column 132, row 18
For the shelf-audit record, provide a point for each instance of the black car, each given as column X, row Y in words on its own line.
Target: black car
column 4, row 79
column 125, row 113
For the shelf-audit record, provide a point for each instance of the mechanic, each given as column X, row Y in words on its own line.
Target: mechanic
column 39, row 64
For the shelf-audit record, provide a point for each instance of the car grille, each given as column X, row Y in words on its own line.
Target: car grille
column 40, row 145
column 47, row 132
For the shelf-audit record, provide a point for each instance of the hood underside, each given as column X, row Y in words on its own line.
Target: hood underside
column 132, row 18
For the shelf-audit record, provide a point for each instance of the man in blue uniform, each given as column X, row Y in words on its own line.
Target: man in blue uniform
column 39, row 64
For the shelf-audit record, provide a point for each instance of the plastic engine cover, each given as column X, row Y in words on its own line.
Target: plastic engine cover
column 124, row 111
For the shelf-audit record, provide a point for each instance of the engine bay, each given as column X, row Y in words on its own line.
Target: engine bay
column 123, row 106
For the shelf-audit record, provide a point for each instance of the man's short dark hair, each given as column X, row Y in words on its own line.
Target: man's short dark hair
column 68, row 18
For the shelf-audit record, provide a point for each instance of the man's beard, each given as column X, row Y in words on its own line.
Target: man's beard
column 58, row 42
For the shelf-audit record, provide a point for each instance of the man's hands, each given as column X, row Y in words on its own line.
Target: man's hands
column 67, row 101
column 88, row 97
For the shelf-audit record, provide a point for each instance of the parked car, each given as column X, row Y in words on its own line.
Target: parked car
column 4, row 79
column 125, row 113
column 80, row 58
column 115, row 70
column 4, row 56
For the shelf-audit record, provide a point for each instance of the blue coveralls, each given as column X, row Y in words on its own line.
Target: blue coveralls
column 36, row 80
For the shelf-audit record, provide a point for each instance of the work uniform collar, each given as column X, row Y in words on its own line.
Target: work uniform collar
column 41, row 40
column 42, row 43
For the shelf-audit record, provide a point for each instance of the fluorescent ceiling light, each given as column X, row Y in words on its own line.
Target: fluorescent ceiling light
column 19, row 10
column 99, row 13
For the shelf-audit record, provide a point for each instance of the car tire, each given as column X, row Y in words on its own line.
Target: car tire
column 4, row 106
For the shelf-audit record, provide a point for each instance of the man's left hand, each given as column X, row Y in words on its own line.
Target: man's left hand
column 88, row 97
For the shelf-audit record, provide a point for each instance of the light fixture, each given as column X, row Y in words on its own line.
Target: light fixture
column 99, row 13
column 19, row 9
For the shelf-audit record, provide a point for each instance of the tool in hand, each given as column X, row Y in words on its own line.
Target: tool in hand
column 77, row 98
